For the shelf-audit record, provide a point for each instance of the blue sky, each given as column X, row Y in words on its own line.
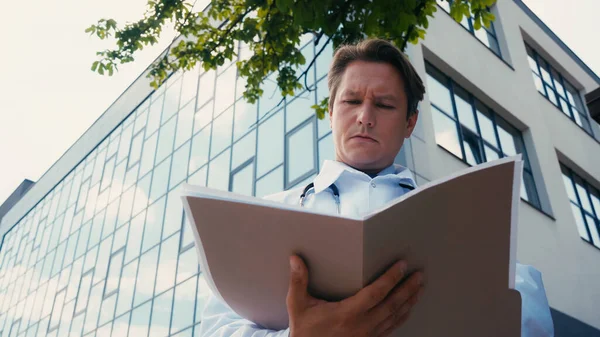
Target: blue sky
column 49, row 96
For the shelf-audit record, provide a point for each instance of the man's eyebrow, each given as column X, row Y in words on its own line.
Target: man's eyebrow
column 388, row 97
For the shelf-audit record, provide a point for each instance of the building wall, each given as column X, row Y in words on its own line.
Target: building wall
column 99, row 244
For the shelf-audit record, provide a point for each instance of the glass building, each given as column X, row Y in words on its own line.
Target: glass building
column 100, row 245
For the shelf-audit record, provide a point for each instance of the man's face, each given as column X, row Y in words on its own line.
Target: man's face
column 368, row 117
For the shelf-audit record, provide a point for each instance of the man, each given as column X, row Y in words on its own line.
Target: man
column 374, row 92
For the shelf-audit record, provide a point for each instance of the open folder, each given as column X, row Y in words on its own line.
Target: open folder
column 461, row 231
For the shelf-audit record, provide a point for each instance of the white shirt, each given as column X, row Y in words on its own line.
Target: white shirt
column 359, row 194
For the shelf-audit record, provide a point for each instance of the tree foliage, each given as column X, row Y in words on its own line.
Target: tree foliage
column 272, row 31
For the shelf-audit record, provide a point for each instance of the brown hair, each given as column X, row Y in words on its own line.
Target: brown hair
column 380, row 51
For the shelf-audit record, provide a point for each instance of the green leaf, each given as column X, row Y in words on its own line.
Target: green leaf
column 101, row 69
column 95, row 65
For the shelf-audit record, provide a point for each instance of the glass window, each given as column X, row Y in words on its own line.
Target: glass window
column 245, row 118
column 171, row 105
column 221, row 133
column 323, row 62
column 270, row 183
column 270, row 144
column 242, row 179
column 165, row 140
column 464, row 108
column 147, row 161
column 569, row 186
column 581, row 227
column 154, row 221
column 117, row 184
column 134, row 240
column 507, row 141
column 127, row 287
column 167, row 266
column 114, row 272
column 244, row 149
column 326, row 149
column 183, row 306
column 185, row 124
column 203, row 117
column 57, row 308
column 198, row 178
column 180, row 165
column 107, row 313
column 144, row 288
column 323, row 125
column 271, row 97
column 438, row 92
column 301, row 152
column 93, row 308
column 557, row 89
column 126, row 206
column 189, row 86
column 199, row 155
column 160, row 180
column 206, row 88
column 187, row 237
column 140, row 320
column 585, row 204
column 141, row 195
column 583, row 196
column 298, row 110
column 225, row 90
column 103, row 259
column 486, row 126
column 154, row 116
column 161, row 315
column 445, row 133
column 188, row 263
column 472, row 148
column 120, row 326
column 218, row 171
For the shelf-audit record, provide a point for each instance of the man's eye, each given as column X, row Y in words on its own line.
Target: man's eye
column 352, row 102
column 384, row 106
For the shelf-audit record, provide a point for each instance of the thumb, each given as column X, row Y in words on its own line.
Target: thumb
column 297, row 295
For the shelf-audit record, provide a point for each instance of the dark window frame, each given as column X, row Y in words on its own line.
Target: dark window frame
column 595, row 214
column 559, row 97
column 497, row 122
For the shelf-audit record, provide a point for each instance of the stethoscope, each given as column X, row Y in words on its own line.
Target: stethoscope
column 336, row 193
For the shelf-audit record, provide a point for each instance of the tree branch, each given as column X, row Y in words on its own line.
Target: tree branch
column 417, row 13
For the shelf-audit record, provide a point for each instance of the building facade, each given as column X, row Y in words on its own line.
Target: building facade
column 99, row 246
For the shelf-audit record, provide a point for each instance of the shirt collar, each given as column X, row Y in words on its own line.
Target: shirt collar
column 332, row 170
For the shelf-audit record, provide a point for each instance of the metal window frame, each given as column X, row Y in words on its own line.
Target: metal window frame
column 472, row 101
column 311, row 120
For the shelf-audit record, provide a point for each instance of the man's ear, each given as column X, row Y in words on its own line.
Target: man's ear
column 411, row 123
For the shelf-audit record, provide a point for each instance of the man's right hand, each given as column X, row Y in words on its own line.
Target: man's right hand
column 375, row 311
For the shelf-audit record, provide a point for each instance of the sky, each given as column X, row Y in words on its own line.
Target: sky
column 49, row 96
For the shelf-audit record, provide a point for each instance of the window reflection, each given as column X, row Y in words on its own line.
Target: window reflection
column 270, row 144
column 301, row 152
column 270, row 183
column 242, row 179
column 445, row 132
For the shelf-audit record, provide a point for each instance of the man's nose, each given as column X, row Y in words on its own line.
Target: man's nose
column 366, row 115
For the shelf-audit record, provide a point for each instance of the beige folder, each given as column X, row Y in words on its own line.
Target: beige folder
column 459, row 230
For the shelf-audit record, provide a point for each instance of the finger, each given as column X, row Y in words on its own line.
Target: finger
column 396, row 301
column 398, row 324
column 399, row 317
column 373, row 294
column 297, row 295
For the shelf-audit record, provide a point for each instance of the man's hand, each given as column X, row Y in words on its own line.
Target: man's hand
column 375, row 311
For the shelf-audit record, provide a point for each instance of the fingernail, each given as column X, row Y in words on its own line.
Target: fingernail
column 403, row 266
column 294, row 264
